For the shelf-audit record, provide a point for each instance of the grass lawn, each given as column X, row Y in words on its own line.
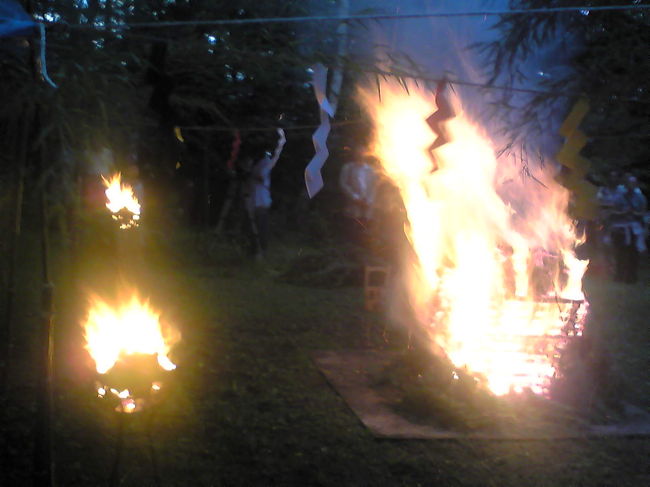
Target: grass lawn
column 248, row 407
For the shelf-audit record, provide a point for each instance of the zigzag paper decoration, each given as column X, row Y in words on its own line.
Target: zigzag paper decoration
column 313, row 177
column 584, row 201
column 436, row 121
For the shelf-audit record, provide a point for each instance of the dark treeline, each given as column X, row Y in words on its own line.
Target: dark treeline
column 600, row 54
column 129, row 89
column 126, row 89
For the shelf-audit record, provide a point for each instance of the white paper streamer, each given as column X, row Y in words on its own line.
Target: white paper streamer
column 313, row 177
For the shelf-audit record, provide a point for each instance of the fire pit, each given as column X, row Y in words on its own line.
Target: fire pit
column 130, row 349
column 133, row 383
column 122, row 202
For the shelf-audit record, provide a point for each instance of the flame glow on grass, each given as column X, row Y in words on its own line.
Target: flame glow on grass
column 495, row 283
column 131, row 327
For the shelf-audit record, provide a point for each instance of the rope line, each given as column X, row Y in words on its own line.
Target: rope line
column 584, row 10
column 221, row 128
column 461, row 82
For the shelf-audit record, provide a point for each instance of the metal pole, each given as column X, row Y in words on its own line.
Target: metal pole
column 152, row 450
column 119, row 446
column 43, row 471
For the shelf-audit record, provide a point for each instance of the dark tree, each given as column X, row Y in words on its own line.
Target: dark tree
column 605, row 53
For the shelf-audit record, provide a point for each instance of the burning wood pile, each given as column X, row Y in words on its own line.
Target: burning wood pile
column 493, row 278
column 130, row 348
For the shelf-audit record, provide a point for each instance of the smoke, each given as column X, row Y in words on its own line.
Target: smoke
column 442, row 47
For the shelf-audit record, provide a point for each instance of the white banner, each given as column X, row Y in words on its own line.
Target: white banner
column 313, row 177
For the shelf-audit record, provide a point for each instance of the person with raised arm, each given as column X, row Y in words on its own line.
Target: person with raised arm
column 258, row 195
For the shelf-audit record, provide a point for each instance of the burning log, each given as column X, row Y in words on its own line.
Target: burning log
column 130, row 349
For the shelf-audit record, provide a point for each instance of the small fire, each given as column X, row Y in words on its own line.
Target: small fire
column 128, row 329
column 495, row 283
column 120, row 339
column 121, row 198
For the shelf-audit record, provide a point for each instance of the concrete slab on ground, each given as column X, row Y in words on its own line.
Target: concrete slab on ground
column 350, row 374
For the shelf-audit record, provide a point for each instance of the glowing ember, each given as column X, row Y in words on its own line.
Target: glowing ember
column 495, row 283
column 121, row 198
column 128, row 329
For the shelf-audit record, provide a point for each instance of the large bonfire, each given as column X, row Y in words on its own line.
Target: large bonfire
column 494, row 281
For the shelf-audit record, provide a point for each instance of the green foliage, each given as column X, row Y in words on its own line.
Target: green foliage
column 229, row 77
column 609, row 64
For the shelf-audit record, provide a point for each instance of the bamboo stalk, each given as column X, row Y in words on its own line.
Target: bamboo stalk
column 43, row 466
column 19, row 182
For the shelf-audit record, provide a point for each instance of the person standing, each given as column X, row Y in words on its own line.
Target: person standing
column 628, row 229
column 358, row 180
column 607, row 195
column 258, row 196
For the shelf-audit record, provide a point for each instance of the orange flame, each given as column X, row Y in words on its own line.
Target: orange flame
column 121, row 196
column 468, row 222
column 130, row 328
